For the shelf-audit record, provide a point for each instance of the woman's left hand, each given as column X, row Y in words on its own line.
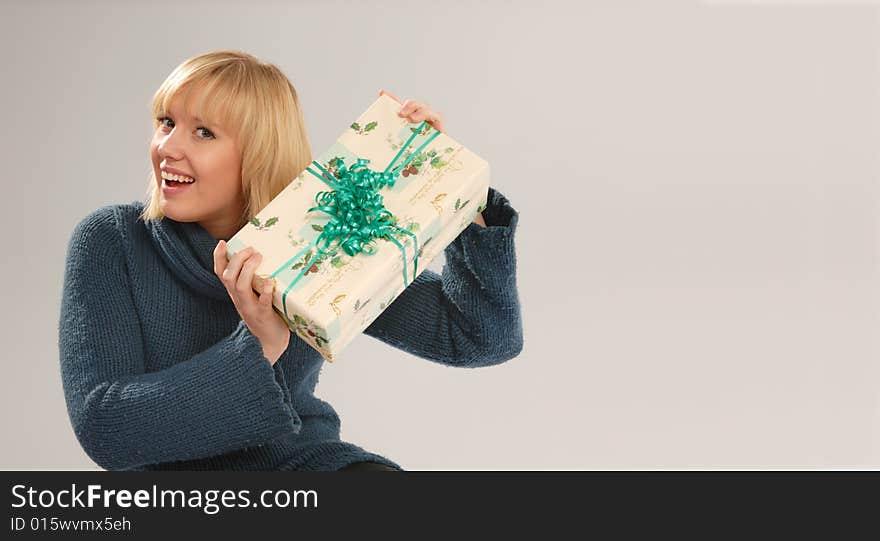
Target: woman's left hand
column 416, row 111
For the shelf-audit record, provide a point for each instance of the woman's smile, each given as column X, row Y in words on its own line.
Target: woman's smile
column 174, row 181
column 172, row 187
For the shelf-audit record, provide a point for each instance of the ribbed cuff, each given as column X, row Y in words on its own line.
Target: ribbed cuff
column 498, row 211
column 490, row 252
column 265, row 380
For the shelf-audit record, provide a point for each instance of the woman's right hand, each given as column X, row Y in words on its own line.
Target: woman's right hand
column 237, row 275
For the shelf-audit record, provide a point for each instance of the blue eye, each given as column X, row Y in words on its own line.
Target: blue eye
column 162, row 120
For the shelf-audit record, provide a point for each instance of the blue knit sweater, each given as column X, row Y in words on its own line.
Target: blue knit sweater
column 161, row 373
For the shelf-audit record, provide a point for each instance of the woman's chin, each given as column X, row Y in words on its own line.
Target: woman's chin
column 174, row 212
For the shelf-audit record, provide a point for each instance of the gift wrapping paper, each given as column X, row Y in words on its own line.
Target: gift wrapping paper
column 328, row 299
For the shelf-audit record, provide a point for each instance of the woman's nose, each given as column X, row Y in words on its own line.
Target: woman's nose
column 170, row 145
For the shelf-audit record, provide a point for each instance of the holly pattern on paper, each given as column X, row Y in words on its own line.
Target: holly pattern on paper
column 262, row 227
column 336, row 259
column 332, row 166
column 424, row 131
column 294, row 242
column 366, row 129
column 297, row 182
column 306, row 329
column 418, row 163
column 410, row 225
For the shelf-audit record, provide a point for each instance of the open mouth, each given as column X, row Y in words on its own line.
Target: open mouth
column 173, row 186
column 169, row 182
column 173, row 183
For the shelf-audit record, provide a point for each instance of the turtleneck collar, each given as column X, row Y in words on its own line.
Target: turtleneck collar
column 188, row 249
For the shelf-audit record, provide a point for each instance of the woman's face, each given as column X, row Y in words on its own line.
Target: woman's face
column 210, row 155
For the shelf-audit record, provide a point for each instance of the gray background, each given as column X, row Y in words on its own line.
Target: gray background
column 698, row 243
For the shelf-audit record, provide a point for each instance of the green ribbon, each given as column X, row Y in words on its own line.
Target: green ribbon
column 357, row 212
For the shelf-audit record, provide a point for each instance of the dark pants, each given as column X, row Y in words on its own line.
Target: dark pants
column 367, row 466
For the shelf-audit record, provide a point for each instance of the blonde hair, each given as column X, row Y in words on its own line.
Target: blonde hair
column 254, row 100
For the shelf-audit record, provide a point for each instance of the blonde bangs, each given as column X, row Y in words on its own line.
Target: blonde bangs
column 221, row 105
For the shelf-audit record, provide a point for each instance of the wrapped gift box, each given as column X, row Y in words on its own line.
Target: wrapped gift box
column 434, row 188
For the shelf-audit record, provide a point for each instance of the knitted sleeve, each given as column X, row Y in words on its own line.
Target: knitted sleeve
column 222, row 399
column 469, row 315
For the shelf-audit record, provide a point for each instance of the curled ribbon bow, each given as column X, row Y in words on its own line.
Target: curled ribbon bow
column 357, row 212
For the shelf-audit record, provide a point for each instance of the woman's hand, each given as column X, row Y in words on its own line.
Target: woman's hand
column 416, row 111
column 237, row 275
